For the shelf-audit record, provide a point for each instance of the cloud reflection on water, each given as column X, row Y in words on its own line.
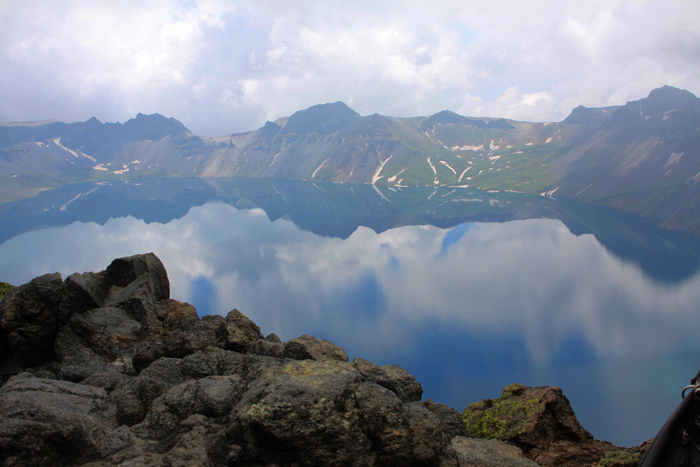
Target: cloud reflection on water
column 530, row 276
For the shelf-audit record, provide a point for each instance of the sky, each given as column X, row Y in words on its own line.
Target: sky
column 223, row 67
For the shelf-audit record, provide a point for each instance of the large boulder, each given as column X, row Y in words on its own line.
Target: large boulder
column 241, row 332
column 301, row 348
column 392, row 377
column 73, row 328
column 82, row 292
column 48, row 419
column 541, row 422
column 29, row 320
column 310, row 348
column 473, row 452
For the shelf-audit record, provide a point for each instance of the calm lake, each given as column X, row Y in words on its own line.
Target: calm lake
column 469, row 291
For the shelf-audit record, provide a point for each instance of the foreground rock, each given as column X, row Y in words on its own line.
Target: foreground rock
column 105, row 369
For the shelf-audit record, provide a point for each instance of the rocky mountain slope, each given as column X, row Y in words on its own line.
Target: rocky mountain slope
column 105, row 369
column 642, row 157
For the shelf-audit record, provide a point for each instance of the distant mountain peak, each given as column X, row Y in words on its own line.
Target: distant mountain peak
column 153, row 127
column 448, row 117
column 321, row 118
column 152, row 118
column 668, row 97
column 670, row 92
column 588, row 115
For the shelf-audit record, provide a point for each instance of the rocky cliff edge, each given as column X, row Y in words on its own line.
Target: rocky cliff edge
column 105, row 369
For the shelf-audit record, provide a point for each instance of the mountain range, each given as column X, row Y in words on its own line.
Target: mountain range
column 642, row 157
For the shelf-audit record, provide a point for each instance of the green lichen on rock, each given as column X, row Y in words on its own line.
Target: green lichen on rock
column 620, row 458
column 513, row 389
column 5, row 288
column 503, row 418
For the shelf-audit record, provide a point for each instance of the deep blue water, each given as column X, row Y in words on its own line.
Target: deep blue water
column 467, row 309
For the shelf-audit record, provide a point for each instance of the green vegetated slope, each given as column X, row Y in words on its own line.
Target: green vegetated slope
column 642, row 157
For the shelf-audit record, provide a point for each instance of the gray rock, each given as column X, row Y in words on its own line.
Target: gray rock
column 138, row 283
column 78, row 361
column 310, row 348
column 268, row 348
column 49, row 419
column 134, row 400
column 160, row 423
column 274, row 338
column 82, row 292
column 118, row 440
column 124, row 271
column 108, row 331
column 191, row 337
column 212, row 396
column 310, row 420
column 450, row 420
column 29, row 319
column 217, row 395
column 400, row 433
column 200, row 443
column 392, row 377
column 474, row 452
column 109, row 379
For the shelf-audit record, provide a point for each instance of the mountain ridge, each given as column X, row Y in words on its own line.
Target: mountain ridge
column 642, row 157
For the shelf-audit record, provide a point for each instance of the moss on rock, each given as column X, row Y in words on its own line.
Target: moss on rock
column 503, row 418
column 5, row 288
column 620, row 458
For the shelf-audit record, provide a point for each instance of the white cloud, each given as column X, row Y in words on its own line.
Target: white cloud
column 225, row 66
column 292, row 282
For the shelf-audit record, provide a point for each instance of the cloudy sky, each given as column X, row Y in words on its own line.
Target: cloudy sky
column 223, row 66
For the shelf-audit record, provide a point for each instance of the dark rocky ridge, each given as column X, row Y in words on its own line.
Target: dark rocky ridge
column 642, row 157
column 105, row 369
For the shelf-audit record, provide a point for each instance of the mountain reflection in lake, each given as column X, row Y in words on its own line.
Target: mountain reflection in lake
column 467, row 310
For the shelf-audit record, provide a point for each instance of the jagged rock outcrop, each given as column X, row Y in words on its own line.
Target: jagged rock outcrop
column 541, row 422
column 105, row 369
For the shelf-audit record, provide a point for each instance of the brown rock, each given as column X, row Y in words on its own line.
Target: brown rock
column 241, row 332
column 541, row 422
column 173, row 313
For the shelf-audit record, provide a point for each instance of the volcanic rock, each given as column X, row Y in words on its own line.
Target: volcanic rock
column 541, row 422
